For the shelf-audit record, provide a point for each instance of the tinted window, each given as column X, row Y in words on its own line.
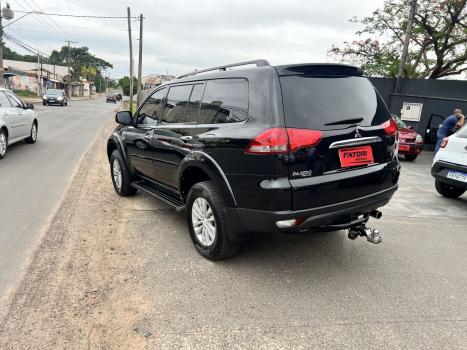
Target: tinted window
column 176, row 103
column 15, row 101
column 312, row 102
column 149, row 111
column 192, row 110
column 54, row 92
column 224, row 101
column 4, row 101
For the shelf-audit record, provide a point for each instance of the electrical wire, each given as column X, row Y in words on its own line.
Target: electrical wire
column 78, row 16
column 49, row 19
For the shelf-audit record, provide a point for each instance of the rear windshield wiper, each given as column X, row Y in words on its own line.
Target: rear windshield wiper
column 346, row 121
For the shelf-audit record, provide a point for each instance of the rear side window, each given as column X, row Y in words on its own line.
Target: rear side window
column 224, row 101
column 149, row 111
column 4, row 101
column 462, row 132
column 176, row 103
column 313, row 102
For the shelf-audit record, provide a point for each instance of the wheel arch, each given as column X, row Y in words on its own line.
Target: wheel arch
column 201, row 167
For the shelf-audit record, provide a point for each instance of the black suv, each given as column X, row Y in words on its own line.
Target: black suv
column 261, row 149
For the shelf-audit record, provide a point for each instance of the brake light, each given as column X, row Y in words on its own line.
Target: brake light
column 302, row 138
column 281, row 140
column 444, row 143
column 390, row 127
column 271, row 141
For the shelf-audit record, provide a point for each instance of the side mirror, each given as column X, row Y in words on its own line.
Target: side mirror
column 124, row 118
column 410, row 127
column 29, row 106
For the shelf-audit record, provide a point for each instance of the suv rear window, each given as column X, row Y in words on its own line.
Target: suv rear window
column 313, row 102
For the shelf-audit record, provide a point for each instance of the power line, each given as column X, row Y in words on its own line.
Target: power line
column 24, row 45
column 40, row 18
column 49, row 19
column 78, row 16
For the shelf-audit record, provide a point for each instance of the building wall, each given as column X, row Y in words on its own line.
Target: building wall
column 24, row 82
column 437, row 96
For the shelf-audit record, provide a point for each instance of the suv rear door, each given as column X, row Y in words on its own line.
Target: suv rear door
column 173, row 138
column 356, row 136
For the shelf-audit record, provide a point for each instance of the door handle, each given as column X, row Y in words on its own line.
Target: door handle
column 186, row 138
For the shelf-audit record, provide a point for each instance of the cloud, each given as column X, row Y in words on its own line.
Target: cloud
column 182, row 35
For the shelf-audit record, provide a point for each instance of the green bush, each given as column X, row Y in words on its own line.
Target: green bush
column 125, row 85
column 25, row 93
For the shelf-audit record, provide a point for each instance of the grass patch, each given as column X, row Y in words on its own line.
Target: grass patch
column 25, row 93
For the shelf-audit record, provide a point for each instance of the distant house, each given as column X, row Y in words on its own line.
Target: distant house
column 32, row 76
column 152, row 80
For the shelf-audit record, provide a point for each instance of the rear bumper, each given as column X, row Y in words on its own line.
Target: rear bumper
column 242, row 220
column 440, row 170
column 411, row 148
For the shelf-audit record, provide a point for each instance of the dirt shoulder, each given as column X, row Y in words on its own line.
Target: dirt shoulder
column 80, row 290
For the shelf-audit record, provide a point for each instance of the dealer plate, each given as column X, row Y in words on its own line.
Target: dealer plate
column 456, row 175
column 355, row 156
column 404, row 148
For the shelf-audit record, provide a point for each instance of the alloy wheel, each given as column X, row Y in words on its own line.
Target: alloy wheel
column 34, row 132
column 117, row 174
column 204, row 223
column 2, row 144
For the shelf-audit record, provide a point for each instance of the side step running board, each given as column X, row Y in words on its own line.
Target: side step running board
column 152, row 190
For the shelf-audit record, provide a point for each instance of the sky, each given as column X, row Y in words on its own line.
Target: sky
column 180, row 36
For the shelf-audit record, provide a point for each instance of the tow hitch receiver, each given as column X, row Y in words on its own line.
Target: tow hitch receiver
column 371, row 235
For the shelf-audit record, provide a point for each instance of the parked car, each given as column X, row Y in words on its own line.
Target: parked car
column 18, row 121
column 111, row 98
column 450, row 165
column 55, row 97
column 410, row 142
column 261, row 149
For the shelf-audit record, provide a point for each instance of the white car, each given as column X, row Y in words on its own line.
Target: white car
column 450, row 165
column 18, row 121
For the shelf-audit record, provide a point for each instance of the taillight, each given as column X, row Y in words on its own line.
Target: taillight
column 444, row 143
column 271, row 141
column 302, row 138
column 281, row 140
column 390, row 127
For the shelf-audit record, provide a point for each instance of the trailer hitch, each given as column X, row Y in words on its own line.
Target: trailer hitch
column 372, row 235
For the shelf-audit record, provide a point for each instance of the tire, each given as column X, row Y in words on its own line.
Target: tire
column 122, row 186
column 62, row 104
column 44, row 104
column 211, row 239
column 410, row 157
column 447, row 190
column 33, row 135
column 3, row 143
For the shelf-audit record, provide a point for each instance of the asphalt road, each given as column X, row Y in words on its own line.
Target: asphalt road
column 318, row 290
column 33, row 178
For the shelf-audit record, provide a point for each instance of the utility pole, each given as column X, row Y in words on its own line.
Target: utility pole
column 68, row 62
column 408, row 32
column 140, row 59
column 38, row 77
column 131, row 60
column 7, row 14
column 1, row 46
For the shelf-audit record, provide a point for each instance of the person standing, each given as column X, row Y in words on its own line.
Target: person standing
column 449, row 126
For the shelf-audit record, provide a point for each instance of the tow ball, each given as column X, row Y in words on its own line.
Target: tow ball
column 372, row 235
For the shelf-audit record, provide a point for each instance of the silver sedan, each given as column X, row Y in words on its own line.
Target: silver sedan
column 18, row 121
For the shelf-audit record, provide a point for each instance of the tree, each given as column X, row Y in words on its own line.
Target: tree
column 81, row 60
column 9, row 54
column 438, row 46
column 125, row 85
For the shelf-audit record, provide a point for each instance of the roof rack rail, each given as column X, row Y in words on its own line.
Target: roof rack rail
column 259, row 63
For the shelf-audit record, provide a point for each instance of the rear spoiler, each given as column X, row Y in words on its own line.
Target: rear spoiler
column 321, row 69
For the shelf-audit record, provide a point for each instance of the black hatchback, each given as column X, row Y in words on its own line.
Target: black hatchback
column 251, row 147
